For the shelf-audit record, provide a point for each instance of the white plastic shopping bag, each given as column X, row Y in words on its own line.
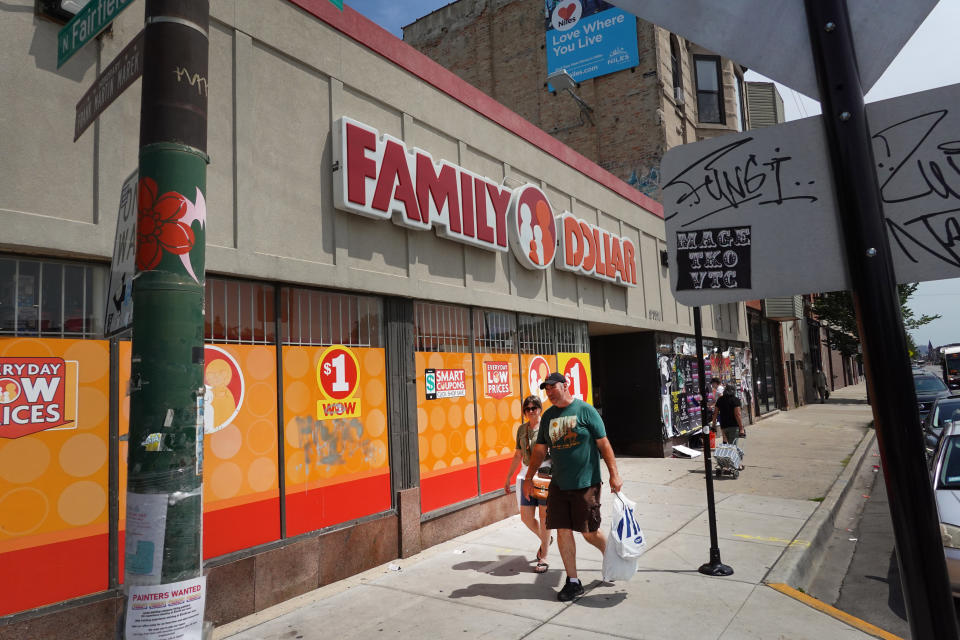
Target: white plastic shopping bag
column 616, row 567
column 625, row 533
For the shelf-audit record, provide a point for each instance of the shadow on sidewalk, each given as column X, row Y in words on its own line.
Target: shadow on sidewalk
column 545, row 587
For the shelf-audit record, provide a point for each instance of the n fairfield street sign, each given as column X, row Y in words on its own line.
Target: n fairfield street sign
column 84, row 26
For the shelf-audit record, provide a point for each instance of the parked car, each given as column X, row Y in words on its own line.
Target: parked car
column 944, row 411
column 929, row 388
column 945, row 476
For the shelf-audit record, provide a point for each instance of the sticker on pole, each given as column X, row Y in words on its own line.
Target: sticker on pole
column 338, row 378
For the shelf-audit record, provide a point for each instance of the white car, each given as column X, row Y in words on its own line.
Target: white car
column 945, row 475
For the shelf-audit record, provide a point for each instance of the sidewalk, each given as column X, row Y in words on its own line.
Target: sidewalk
column 482, row 585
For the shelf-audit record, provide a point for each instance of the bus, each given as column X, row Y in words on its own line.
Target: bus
column 951, row 367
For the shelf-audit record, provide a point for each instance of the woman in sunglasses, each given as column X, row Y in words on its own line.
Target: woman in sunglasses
column 526, row 438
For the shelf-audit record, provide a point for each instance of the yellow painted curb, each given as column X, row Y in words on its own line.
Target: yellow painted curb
column 862, row 625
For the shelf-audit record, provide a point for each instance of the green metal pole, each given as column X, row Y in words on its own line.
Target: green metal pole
column 165, row 462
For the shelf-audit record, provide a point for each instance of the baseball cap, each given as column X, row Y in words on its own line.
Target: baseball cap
column 553, row 378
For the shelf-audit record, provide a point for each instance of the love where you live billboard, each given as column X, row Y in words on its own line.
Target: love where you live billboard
column 589, row 38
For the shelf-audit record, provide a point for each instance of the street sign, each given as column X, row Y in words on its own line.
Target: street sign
column 737, row 206
column 84, row 26
column 119, row 315
column 120, row 74
column 779, row 44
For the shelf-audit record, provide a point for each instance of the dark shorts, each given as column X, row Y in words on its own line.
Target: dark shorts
column 574, row 509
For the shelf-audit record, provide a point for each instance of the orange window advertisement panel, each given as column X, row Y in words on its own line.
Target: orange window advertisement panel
column 54, row 465
column 576, row 368
column 498, row 412
column 335, row 435
column 536, row 368
column 241, row 488
column 446, row 424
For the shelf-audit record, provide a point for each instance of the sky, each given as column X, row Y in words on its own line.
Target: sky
column 930, row 59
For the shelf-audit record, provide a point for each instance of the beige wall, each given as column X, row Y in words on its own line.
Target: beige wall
column 278, row 79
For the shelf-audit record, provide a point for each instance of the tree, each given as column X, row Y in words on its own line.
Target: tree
column 836, row 309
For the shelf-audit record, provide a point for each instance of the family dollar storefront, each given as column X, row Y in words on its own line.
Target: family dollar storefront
column 394, row 261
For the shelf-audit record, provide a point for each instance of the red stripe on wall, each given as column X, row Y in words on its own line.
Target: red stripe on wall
column 372, row 36
column 333, row 504
column 493, row 475
column 51, row 573
column 240, row 527
column 448, row 488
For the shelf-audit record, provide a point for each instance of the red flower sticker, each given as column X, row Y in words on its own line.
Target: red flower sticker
column 159, row 225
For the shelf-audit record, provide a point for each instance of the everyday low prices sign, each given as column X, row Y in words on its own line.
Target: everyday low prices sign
column 338, row 377
column 496, row 380
column 34, row 395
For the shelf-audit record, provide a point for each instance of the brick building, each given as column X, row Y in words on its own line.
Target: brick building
column 677, row 92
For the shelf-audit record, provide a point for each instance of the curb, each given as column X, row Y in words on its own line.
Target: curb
column 797, row 565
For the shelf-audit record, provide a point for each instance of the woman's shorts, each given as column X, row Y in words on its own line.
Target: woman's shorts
column 574, row 509
column 533, row 502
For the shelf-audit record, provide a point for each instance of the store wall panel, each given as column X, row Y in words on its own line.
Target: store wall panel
column 241, row 494
column 220, row 147
column 336, row 468
column 498, row 414
column 54, row 450
column 289, row 149
column 447, row 433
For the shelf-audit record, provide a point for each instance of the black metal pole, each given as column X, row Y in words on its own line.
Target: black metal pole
column 913, row 510
column 714, row 567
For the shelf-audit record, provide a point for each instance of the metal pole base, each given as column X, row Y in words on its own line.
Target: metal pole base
column 715, row 567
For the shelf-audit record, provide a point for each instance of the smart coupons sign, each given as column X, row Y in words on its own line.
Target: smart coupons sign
column 444, row 383
column 380, row 178
column 37, row 394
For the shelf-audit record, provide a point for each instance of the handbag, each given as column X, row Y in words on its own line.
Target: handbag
column 541, row 483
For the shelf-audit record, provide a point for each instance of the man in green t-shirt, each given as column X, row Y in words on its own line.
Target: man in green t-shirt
column 577, row 439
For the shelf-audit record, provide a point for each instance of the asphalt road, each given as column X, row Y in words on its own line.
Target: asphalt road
column 871, row 588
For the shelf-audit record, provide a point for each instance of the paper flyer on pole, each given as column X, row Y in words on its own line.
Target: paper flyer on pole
column 170, row 611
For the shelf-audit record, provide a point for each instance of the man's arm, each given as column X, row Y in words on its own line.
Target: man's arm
column 536, row 459
column 736, row 412
column 606, row 452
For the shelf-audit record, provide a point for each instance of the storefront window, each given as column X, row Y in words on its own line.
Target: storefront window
column 441, row 328
column 496, row 331
column 323, row 318
column 239, row 312
column 51, row 299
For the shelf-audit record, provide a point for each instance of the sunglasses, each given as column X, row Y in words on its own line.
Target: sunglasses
column 530, row 408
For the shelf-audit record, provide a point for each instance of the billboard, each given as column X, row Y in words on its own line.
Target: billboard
column 589, row 38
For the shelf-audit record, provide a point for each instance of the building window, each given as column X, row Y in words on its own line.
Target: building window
column 741, row 106
column 310, row 317
column 495, row 331
column 572, row 336
column 709, row 89
column 51, row 299
column 675, row 69
column 239, row 312
column 441, row 327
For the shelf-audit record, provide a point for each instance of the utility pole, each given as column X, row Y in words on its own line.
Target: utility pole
column 913, row 510
column 165, row 462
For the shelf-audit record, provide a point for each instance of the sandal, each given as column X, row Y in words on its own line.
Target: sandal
column 539, row 559
column 541, row 567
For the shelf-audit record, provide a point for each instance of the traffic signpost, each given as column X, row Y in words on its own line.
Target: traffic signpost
column 119, row 315
column 859, row 198
column 114, row 80
column 85, row 25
